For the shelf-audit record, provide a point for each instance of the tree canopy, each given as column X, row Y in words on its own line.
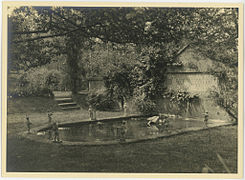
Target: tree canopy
column 40, row 35
column 47, row 28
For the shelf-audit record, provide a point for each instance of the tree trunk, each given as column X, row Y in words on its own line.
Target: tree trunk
column 73, row 46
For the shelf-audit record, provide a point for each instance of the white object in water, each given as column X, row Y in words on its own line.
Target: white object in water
column 153, row 119
column 41, row 133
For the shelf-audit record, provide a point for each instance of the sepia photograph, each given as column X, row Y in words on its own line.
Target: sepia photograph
column 122, row 89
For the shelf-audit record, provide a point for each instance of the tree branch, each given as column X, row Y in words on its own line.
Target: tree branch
column 64, row 18
column 43, row 37
column 82, row 29
column 32, row 32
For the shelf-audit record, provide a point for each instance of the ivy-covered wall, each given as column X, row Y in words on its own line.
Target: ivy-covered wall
column 194, row 83
column 193, row 109
column 189, row 87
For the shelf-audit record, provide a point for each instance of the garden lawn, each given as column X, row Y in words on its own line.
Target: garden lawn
column 37, row 109
column 183, row 153
column 31, row 105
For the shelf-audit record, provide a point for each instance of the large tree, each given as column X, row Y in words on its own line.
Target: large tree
column 37, row 35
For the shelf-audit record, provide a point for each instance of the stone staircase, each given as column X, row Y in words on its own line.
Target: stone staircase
column 64, row 100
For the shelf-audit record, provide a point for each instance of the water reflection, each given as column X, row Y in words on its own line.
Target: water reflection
column 121, row 130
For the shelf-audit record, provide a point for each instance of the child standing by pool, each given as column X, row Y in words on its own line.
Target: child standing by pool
column 124, row 130
column 56, row 132
column 28, row 124
column 206, row 119
column 50, row 130
column 90, row 110
column 50, row 117
column 50, row 125
column 125, row 109
column 94, row 114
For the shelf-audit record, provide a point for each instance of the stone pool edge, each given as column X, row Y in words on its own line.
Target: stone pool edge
column 34, row 137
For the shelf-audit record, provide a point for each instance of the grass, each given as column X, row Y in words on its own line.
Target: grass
column 185, row 153
column 37, row 109
column 31, row 105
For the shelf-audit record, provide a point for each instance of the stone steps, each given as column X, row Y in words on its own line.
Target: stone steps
column 68, row 104
column 71, row 108
column 65, row 101
column 62, row 93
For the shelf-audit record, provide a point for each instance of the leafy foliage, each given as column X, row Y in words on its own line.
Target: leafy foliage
column 100, row 100
column 144, row 105
column 227, row 95
column 181, row 98
column 218, row 40
column 38, row 82
column 131, row 47
column 27, row 23
column 217, row 35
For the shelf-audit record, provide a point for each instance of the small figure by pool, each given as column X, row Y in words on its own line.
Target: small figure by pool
column 123, row 130
column 55, row 129
column 50, row 125
column 125, row 109
column 50, row 117
column 100, row 130
column 92, row 112
column 50, row 132
column 28, row 124
column 206, row 119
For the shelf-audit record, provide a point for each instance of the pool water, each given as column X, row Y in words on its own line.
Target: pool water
column 134, row 128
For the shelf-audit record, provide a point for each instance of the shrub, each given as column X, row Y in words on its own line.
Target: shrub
column 145, row 106
column 102, row 101
column 181, row 99
column 38, row 82
column 229, row 103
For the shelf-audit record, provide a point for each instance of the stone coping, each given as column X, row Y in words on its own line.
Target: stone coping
column 33, row 136
column 88, row 121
